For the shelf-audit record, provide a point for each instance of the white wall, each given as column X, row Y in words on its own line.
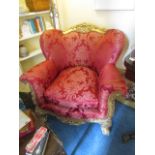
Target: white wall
column 73, row 12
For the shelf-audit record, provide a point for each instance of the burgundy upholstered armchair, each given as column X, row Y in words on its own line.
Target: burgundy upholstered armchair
column 76, row 81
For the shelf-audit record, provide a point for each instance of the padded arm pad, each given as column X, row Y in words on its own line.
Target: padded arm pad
column 40, row 76
column 111, row 79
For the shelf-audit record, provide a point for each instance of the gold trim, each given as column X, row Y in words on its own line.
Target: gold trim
column 85, row 28
column 117, row 96
column 111, row 103
column 104, row 122
column 126, row 102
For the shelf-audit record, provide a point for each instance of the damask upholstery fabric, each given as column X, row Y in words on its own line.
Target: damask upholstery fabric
column 79, row 73
column 39, row 77
column 75, row 87
column 88, row 49
column 110, row 80
column 77, row 113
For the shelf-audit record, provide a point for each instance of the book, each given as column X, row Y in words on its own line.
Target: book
column 25, row 29
column 29, row 126
column 37, row 24
column 32, row 26
column 41, row 21
column 34, row 142
column 40, row 149
column 23, row 119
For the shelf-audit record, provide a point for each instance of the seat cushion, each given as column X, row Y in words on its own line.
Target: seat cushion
column 75, row 87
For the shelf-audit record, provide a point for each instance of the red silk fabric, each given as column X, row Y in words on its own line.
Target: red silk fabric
column 79, row 73
column 87, row 49
column 75, row 87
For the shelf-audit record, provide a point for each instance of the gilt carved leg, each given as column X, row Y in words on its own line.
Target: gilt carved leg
column 105, row 126
column 105, row 131
column 107, row 123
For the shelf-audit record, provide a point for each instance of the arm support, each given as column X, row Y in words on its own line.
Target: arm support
column 39, row 77
column 110, row 80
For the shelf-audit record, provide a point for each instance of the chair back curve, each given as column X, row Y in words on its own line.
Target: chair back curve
column 83, row 44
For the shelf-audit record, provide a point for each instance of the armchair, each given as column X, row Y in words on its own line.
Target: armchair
column 78, row 82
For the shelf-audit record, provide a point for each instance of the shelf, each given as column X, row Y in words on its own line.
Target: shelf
column 34, row 13
column 31, row 36
column 32, row 54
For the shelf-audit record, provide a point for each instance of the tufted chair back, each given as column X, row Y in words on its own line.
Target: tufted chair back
column 84, row 45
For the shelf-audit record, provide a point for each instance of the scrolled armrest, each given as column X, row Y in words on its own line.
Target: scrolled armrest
column 40, row 76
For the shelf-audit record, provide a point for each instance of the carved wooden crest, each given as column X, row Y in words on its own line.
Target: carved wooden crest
column 84, row 28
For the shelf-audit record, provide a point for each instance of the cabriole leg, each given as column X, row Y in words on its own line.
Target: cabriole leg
column 105, row 126
column 105, row 131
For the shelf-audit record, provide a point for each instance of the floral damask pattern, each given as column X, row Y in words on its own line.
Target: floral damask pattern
column 40, row 77
column 111, row 79
column 88, row 49
column 79, row 73
column 75, row 87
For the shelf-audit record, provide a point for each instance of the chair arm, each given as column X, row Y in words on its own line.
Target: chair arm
column 111, row 79
column 39, row 77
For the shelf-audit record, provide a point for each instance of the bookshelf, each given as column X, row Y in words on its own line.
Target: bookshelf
column 30, row 36
column 37, row 23
column 32, row 54
column 28, row 14
column 31, row 26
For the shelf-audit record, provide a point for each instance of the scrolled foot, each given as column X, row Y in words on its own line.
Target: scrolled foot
column 105, row 131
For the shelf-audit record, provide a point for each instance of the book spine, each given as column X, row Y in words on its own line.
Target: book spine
column 32, row 26
column 25, row 29
column 39, row 134
column 37, row 24
column 29, row 25
column 41, row 23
